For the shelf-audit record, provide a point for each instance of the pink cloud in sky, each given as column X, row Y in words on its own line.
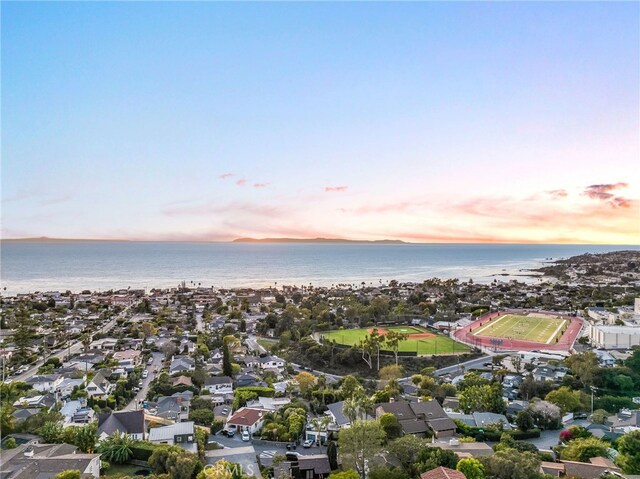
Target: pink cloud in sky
column 241, row 182
column 603, row 193
column 224, row 176
column 557, row 194
column 335, row 189
column 260, row 185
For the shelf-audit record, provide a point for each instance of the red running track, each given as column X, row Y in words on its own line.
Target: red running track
column 565, row 343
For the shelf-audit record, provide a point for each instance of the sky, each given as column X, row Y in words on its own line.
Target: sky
column 425, row 122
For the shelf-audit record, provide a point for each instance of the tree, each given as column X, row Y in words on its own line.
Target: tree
column 117, row 448
column 629, row 452
column 566, row 399
column 51, row 432
column 546, row 415
column 583, row 449
column 486, row 398
column 471, row 468
column 511, row 464
column 174, row 461
column 524, row 420
column 306, row 381
column 393, row 340
column 360, row 443
column 406, row 449
column 387, row 472
column 432, row 457
column 391, row 426
column 390, row 372
column 9, row 443
column 148, row 329
column 349, row 387
column 584, row 366
column 86, row 437
column 69, row 474
column 227, row 367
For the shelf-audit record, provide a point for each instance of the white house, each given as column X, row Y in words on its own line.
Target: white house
column 247, row 419
column 99, row 387
column 269, row 362
column 45, row 383
column 180, row 434
column 219, row 385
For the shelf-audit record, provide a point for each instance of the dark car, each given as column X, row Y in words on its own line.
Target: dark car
column 228, row 432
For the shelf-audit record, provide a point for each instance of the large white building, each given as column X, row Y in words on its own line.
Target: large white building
column 614, row 337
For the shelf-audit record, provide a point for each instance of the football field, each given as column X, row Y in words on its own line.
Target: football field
column 541, row 328
column 420, row 340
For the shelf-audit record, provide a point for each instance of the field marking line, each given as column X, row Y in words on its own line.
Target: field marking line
column 490, row 323
column 556, row 332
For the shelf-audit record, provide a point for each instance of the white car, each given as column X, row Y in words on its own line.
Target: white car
column 246, row 437
column 145, row 373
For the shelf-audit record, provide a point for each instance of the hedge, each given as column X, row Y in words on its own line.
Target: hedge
column 260, row 391
column 520, row 435
column 142, row 450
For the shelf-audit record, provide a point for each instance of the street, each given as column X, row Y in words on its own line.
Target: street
column 142, row 394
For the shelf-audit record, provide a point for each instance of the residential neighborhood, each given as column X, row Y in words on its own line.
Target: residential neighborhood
column 243, row 378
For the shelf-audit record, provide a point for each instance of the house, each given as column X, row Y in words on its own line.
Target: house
column 271, row 362
column 181, row 364
column 625, row 421
column 45, row 383
column 247, row 419
column 179, row 434
column 549, row 373
column 66, row 386
column 99, row 387
column 219, row 385
column 464, row 449
column 175, row 407
column 23, row 414
column 182, row 381
column 419, row 418
column 269, row 404
column 130, row 423
column 46, row 401
column 128, row 357
column 335, row 412
column 244, row 380
column 309, row 466
column 187, row 346
column 442, row 473
column 593, row 469
column 45, row 461
column 481, row 419
column 104, row 343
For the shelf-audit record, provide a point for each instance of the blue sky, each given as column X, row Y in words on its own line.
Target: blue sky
column 425, row 122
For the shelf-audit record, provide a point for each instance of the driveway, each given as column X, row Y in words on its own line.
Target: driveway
column 244, row 455
column 548, row 439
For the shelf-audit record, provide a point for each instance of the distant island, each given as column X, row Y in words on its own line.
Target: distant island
column 316, row 240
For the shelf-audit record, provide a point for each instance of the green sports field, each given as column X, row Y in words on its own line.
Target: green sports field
column 431, row 343
column 530, row 327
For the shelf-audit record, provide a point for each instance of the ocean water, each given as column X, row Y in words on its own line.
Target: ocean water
column 76, row 266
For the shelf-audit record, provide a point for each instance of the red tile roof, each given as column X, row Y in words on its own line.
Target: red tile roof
column 442, row 473
column 245, row 417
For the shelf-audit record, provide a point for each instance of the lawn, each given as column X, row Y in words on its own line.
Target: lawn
column 434, row 344
column 124, row 470
column 529, row 327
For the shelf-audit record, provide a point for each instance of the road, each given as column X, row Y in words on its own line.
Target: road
column 252, row 343
column 142, row 394
column 69, row 350
column 466, row 366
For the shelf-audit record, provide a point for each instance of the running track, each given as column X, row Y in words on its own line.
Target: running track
column 464, row 334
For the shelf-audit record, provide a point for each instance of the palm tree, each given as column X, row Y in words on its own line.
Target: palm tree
column 319, row 424
column 117, row 448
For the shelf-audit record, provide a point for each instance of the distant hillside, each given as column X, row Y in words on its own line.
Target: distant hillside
column 316, row 240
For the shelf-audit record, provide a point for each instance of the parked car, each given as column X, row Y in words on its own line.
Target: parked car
column 228, row 432
column 307, row 444
column 145, row 374
column 150, row 360
column 246, row 437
